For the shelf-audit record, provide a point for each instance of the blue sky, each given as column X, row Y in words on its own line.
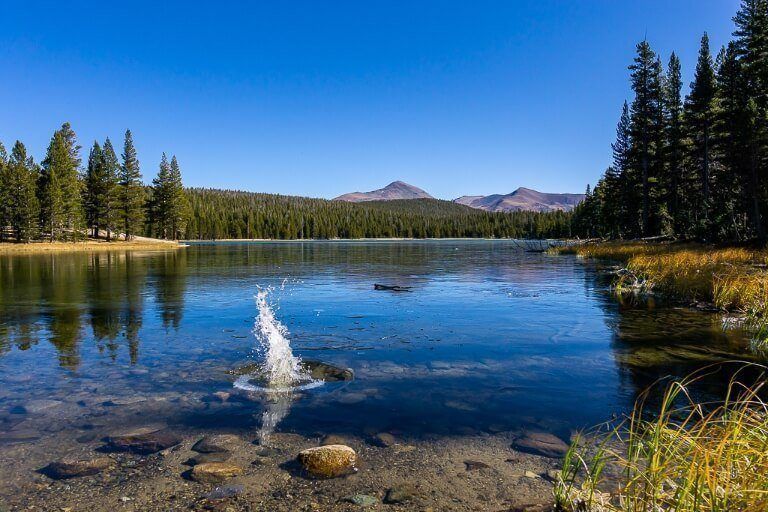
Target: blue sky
column 321, row 98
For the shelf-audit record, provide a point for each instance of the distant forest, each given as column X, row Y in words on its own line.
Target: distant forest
column 693, row 167
column 217, row 214
column 60, row 199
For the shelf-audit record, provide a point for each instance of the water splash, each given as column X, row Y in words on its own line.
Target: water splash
column 281, row 370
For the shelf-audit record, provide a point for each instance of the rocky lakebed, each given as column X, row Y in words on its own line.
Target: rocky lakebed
column 61, row 455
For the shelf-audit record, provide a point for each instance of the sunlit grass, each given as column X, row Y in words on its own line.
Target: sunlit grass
column 733, row 279
column 688, row 456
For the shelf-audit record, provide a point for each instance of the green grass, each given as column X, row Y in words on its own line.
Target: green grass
column 687, row 457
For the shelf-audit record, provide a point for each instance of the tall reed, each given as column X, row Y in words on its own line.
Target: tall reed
column 685, row 456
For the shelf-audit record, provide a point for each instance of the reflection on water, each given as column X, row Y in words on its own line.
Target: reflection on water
column 490, row 337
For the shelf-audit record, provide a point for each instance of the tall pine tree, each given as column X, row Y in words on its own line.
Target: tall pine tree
column 699, row 118
column 59, row 187
column 131, row 190
column 674, row 143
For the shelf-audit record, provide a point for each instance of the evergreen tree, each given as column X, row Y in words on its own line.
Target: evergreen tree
column 131, row 191
column 646, row 132
column 751, row 46
column 179, row 207
column 111, row 210
column 617, row 191
column 162, row 197
column 674, row 147
column 94, row 189
column 699, row 118
column 59, row 187
column 5, row 212
column 23, row 211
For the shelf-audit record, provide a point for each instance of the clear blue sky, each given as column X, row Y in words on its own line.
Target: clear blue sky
column 320, row 98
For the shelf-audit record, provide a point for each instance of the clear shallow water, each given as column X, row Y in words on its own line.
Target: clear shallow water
column 490, row 337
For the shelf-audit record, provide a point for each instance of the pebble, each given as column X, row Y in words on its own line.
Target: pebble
column 361, row 500
column 202, row 458
column 35, row 406
column 214, row 472
column 383, row 440
column 72, row 467
column 541, row 443
column 473, row 465
column 143, row 444
column 401, row 493
column 216, row 443
column 328, row 461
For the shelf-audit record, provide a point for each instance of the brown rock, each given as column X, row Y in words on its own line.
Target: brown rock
column 216, row 443
column 401, row 493
column 332, row 439
column 71, row 467
column 328, row 461
column 202, row 458
column 473, row 465
column 541, row 443
column 383, row 440
column 143, row 444
column 214, row 472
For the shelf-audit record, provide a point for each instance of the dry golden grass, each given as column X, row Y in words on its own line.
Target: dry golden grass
column 733, row 279
column 86, row 246
column 688, row 457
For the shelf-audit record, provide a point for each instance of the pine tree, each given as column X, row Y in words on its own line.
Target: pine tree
column 21, row 175
column 131, row 191
column 646, row 132
column 59, row 187
column 94, row 190
column 699, row 117
column 5, row 211
column 751, row 46
column 111, row 211
column 161, row 200
column 616, row 184
column 674, row 147
column 179, row 203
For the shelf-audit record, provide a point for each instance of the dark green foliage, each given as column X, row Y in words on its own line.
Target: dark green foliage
column 696, row 170
column 221, row 214
column 110, row 205
column 59, row 187
column 22, row 200
column 131, row 195
column 699, row 118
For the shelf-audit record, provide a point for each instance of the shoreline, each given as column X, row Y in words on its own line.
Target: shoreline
column 388, row 239
column 10, row 248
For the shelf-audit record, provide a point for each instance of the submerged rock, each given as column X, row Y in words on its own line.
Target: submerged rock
column 361, row 500
column 541, row 443
column 318, row 370
column 142, row 444
column 474, row 465
column 329, row 373
column 202, row 458
column 216, row 443
column 214, row 472
column 328, row 461
column 391, row 288
column 383, row 440
column 332, row 439
column 401, row 493
column 71, row 467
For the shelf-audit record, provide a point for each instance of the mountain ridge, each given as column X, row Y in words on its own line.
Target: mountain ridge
column 522, row 199
column 395, row 190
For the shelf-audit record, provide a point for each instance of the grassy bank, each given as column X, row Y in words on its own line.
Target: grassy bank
column 86, row 246
column 688, row 456
column 733, row 279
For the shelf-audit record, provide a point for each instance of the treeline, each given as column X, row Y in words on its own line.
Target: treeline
column 220, row 214
column 59, row 200
column 692, row 167
column 56, row 200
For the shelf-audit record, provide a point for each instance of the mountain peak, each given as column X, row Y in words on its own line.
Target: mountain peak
column 395, row 190
column 522, row 199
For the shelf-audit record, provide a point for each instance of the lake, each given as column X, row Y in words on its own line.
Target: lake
column 489, row 339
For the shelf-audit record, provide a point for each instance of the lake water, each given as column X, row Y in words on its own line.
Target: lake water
column 489, row 338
